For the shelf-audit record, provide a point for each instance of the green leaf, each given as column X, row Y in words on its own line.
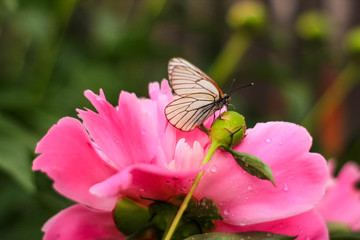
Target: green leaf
column 129, row 217
column 241, row 236
column 253, row 165
column 341, row 231
column 15, row 160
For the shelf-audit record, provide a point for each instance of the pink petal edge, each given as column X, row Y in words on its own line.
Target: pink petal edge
column 81, row 223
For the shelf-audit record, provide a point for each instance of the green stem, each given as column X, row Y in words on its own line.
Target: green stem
column 170, row 232
column 336, row 93
column 230, row 56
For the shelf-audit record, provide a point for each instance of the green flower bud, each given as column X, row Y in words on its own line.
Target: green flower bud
column 228, row 130
column 312, row 26
column 247, row 15
column 352, row 42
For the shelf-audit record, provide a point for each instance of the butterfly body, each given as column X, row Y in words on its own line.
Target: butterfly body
column 197, row 95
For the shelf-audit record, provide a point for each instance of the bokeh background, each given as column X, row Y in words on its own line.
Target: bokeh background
column 303, row 56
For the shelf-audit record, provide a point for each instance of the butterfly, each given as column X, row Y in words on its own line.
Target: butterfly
column 197, row 95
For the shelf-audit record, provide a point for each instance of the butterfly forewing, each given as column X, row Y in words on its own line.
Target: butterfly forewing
column 198, row 95
column 186, row 79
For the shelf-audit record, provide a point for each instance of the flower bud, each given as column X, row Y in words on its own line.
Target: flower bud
column 352, row 43
column 247, row 15
column 312, row 26
column 228, row 130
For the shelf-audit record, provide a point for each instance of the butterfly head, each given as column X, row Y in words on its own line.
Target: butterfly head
column 225, row 100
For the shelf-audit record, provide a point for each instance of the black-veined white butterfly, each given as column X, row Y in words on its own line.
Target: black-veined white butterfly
column 198, row 96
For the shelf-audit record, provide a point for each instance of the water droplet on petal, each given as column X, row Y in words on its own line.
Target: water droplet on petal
column 268, row 140
column 226, row 211
column 141, row 190
column 213, row 169
column 286, row 187
column 250, row 187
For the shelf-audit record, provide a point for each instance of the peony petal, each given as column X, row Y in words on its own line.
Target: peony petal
column 126, row 134
column 308, row 225
column 300, row 176
column 145, row 180
column 81, row 223
column 341, row 202
column 68, row 157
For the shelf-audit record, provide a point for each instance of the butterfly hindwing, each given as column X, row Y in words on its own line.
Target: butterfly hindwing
column 187, row 113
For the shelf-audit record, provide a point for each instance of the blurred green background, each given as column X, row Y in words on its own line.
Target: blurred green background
column 303, row 56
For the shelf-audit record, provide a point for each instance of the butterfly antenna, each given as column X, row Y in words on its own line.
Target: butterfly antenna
column 232, row 83
column 245, row 86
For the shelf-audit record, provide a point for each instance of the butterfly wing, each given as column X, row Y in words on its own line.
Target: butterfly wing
column 198, row 95
column 187, row 113
column 185, row 79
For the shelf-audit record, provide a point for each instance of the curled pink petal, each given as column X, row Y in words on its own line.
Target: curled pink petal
column 68, row 157
column 144, row 180
column 341, row 202
column 81, row 223
column 308, row 225
column 300, row 176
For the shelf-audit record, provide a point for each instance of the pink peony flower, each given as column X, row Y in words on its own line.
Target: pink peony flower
column 132, row 151
column 341, row 203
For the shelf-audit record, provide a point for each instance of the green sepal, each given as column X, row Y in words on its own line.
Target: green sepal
column 199, row 216
column 163, row 213
column 129, row 217
column 241, row 236
column 253, row 165
column 204, row 212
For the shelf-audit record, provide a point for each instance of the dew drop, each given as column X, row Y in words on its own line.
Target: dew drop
column 250, row 187
column 141, row 190
column 286, row 187
column 268, row 140
column 213, row 169
column 226, row 211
